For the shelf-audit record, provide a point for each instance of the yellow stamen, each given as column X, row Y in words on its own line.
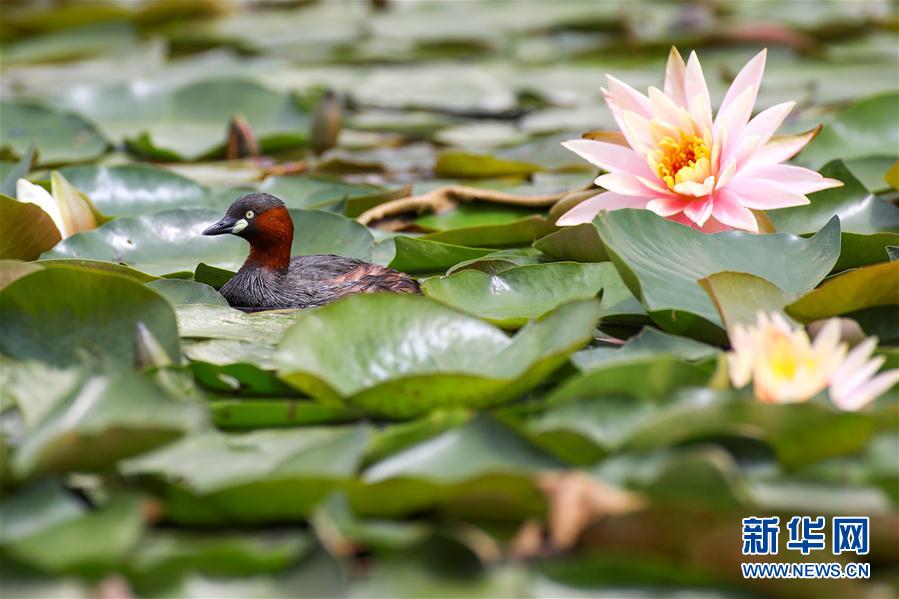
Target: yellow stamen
column 674, row 155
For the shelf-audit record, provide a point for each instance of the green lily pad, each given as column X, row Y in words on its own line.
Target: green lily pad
column 100, row 419
column 49, row 529
column 52, row 313
column 799, row 433
column 853, row 290
column 167, row 555
column 317, row 191
column 868, row 223
column 10, row 270
column 869, row 127
column 496, row 262
column 26, row 230
column 472, row 214
column 482, row 458
column 580, row 243
column 639, row 375
column 99, row 266
column 172, row 240
column 647, row 343
column 205, row 321
column 179, row 291
column 511, row 298
column 517, row 233
column 461, row 165
column 661, row 262
column 414, row 254
column 136, row 189
column 191, row 122
column 215, row 477
column 252, row 413
column 411, row 354
column 739, row 297
column 59, row 137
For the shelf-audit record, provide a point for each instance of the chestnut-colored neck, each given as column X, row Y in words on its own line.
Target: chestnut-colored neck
column 271, row 239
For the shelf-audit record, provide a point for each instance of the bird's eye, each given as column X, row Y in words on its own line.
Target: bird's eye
column 249, row 214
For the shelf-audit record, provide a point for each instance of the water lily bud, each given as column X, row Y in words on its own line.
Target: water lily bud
column 326, row 123
column 148, row 353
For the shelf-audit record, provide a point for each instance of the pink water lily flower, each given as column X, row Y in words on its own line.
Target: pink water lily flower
column 676, row 160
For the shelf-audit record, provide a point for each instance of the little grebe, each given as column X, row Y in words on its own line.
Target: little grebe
column 271, row 279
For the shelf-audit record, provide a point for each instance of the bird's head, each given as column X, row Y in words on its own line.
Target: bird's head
column 263, row 220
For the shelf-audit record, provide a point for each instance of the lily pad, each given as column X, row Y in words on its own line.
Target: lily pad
column 59, row 137
column 482, row 458
column 172, row 240
column 410, row 354
column 52, row 313
column 191, row 122
column 739, row 297
column 225, row 474
column 496, row 262
column 868, row 223
column 867, row 128
column 580, row 243
column 859, row 289
column 48, row 528
column 511, row 298
column 461, row 165
column 253, row 413
column 413, row 254
column 661, row 262
column 649, row 342
column 26, row 230
column 101, row 419
column 136, row 189
column 318, row 191
column 518, row 233
column 179, row 291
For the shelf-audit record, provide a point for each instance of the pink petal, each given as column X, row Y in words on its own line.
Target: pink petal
column 587, row 210
column 854, row 360
column 609, row 157
column 714, row 226
column 795, row 178
column 675, row 72
column 629, row 99
column 761, row 194
column 637, row 128
column 668, row 207
column 699, row 211
column 858, row 398
column 780, row 149
column 730, row 212
column 625, row 184
column 697, row 92
column 733, row 120
column 749, row 76
column 768, row 121
column 726, row 174
column 664, row 108
column 653, row 184
column 694, row 188
column 618, row 115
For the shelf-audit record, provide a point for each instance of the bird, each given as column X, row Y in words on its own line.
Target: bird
column 270, row 279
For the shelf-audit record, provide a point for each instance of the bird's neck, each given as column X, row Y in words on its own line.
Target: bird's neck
column 270, row 247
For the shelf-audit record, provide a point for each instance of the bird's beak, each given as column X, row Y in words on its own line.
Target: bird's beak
column 227, row 224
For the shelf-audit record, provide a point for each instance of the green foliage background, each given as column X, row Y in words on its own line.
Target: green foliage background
column 488, row 439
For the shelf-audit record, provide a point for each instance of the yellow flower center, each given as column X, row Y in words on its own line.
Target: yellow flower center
column 783, row 358
column 675, row 155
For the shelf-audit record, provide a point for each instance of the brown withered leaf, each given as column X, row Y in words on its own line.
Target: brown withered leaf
column 577, row 500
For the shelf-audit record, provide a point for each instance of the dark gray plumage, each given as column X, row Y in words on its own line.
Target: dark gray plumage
column 271, row 279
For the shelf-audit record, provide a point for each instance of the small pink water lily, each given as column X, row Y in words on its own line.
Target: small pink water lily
column 675, row 160
column 786, row 367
